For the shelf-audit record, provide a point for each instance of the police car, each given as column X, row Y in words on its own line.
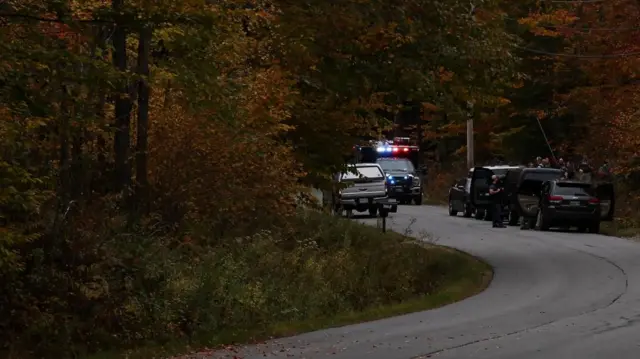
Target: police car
column 399, row 160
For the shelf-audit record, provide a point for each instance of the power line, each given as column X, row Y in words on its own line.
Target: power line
column 601, row 56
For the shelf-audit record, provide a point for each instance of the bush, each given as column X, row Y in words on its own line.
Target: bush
column 143, row 286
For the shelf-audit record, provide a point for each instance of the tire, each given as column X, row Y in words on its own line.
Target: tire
column 373, row 211
column 349, row 213
column 468, row 210
column 514, row 217
column 542, row 223
column 479, row 214
column 418, row 200
column 594, row 227
column 487, row 216
column 452, row 212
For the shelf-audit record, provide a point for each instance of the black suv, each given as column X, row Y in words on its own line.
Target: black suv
column 569, row 204
column 522, row 192
column 404, row 181
column 479, row 187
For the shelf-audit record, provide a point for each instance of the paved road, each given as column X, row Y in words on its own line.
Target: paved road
column 554, row 296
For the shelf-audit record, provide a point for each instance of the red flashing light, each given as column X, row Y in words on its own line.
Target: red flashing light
column 406, row 149
column 395, row 149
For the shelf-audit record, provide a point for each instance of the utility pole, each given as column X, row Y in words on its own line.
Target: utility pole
column 470, row 147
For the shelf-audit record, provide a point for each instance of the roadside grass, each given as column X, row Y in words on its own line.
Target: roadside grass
column 623, row 229
column 337, row 272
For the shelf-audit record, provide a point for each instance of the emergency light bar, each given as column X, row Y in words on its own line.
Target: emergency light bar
column 395, row 149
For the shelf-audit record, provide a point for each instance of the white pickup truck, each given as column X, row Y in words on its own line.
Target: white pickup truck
column 364, row 187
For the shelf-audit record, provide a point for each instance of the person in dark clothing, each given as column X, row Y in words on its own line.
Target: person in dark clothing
column 495, row 193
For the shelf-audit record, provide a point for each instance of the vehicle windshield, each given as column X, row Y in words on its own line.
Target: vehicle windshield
column 396, row 165
column 372, row 172
column 542, row 176
column 572, row 189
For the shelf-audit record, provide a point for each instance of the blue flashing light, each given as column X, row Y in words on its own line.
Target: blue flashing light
column 380, row 149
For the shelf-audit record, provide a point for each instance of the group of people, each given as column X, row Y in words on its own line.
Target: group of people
column 583, row 172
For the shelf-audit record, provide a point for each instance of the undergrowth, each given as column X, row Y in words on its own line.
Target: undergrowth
column 146, row 284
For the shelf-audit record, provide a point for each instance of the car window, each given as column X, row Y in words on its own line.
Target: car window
column 364, row 171
column 396, row 165
column 570, row 189
column 542, row 176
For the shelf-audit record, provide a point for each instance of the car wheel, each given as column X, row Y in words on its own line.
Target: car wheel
column 594, row 228
column 487, row 215
column 468, row 210
column 349, row 213
column 479, row 214
column 373, row 211
column 452, row 212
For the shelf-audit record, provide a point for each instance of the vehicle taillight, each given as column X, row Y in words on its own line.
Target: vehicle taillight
column 555, row 198
column 594, row 201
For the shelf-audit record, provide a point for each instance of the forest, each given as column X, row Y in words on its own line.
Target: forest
column 154, row 155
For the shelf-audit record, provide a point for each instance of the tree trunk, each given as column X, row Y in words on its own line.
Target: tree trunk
column 143, row 119
column 123, row 107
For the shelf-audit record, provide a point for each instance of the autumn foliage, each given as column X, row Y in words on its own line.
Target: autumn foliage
column 154, row 156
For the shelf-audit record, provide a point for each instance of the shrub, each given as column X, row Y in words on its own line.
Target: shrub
column 141, row 285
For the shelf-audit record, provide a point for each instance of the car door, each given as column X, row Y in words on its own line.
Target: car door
column 544, row 195
column 511, row 188
column 606, row 195
column 479, row 188
column 457, row 194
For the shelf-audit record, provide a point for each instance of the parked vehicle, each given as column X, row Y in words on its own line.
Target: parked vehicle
column 364, row 188
column 479, row 187
column 400, row 160
column 570, row 204
column 403, row 179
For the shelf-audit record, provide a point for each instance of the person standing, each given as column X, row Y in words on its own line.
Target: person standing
column 495, row 193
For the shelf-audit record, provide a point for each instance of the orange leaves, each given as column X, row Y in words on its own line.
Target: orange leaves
column 429, row 107
column 549, row 24
column 445, row 75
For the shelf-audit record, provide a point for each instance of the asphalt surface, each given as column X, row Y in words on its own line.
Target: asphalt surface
column 555, row 295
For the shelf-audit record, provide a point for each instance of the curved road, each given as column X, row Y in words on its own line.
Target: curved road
column 554, row 296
